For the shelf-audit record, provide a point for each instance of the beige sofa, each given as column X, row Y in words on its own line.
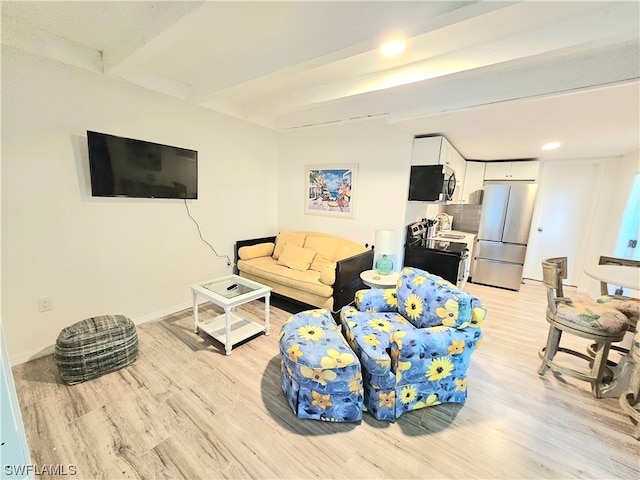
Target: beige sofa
column 312, row 268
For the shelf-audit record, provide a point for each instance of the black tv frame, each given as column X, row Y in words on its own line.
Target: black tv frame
column 144, row 159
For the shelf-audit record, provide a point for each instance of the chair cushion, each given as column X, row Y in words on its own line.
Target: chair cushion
column 629, row 307
column 428, row 300
column 369, row 335
column 591, row 315
column 635, row 349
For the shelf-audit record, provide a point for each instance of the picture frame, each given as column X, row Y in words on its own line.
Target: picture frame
column 330, row 190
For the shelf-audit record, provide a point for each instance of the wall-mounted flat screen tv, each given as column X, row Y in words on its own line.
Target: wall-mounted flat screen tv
column 124, row 167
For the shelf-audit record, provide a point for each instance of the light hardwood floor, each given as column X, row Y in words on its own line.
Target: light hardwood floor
column 185, row 410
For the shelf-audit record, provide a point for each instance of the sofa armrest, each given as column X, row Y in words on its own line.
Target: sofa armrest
column 377, row 300
column 413, row 352
column 247, row 243
column 348, row 279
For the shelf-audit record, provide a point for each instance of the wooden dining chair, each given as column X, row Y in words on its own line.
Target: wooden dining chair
column 589, row 320
column 630, row 308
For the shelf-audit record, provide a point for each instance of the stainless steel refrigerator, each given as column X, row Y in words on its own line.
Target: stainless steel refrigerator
column 502, row 239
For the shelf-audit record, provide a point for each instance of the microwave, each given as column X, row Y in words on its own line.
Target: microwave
column 432, row 183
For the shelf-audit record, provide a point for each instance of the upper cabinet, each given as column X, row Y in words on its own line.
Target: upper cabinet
column 435, row 151
column 426, row 151
column 523, row 170
column 471, row 191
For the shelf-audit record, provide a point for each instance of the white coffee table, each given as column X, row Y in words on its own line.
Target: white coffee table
column 373, row 279
column 231, row 327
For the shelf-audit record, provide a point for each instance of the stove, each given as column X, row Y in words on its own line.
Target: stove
column 438, row 256
column 441, row 245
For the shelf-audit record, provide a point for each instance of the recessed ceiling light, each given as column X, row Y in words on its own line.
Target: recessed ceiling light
column 551, row 146
column 394, row 47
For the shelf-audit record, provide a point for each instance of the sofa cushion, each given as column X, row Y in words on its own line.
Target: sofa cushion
column 427, row 300
column 325, row 248
column 295, row 257
column 347, row 248
column 284, row 237
column 254, row 251
column 267, row 268
column 328, row 274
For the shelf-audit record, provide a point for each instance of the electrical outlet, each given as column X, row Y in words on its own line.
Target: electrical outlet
column 44, row 304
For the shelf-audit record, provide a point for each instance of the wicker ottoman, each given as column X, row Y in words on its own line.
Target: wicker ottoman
column 95, row 346
column 321, row 375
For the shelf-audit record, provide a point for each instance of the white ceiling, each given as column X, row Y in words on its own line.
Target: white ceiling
column 498, row 79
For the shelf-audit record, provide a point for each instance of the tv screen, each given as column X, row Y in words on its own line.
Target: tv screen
column 124, row 167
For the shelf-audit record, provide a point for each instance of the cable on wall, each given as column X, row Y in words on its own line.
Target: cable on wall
column 202, row 238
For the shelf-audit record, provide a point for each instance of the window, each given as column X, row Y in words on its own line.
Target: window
column 629, row 233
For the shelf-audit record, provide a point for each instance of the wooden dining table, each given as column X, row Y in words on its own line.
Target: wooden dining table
column 620, row 276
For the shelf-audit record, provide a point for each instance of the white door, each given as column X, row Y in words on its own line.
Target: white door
column 563, row 211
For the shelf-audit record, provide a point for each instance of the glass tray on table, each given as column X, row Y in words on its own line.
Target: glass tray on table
column 220, row 288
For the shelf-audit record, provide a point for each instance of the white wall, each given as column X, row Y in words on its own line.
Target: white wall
column 137, row 257
column 93, row 256
column 383, row 155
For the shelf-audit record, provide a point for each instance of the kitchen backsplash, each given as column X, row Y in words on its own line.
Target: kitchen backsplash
column 466, row 218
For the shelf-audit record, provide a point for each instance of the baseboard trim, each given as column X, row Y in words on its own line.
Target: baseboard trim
column 49, row 349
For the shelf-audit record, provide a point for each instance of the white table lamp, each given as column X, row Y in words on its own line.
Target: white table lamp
column 385, row 248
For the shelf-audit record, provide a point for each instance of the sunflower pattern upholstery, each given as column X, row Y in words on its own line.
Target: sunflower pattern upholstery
column 321, row 376
column 414, row 342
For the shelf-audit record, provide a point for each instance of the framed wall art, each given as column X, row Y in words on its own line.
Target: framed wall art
column 331, row 190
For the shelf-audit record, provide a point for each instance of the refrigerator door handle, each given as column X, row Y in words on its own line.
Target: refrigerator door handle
column 494, row 211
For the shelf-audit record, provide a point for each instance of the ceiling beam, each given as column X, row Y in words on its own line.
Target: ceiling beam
column 50, row 46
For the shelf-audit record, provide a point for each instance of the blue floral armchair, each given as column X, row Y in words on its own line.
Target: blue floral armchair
column 414, row 342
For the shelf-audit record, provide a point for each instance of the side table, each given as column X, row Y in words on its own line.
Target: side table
column 373, row 279
column 228, row 293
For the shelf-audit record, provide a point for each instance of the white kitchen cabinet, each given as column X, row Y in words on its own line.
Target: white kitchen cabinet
column 435, row 151
column 447, row 153
column 460, row 169
column 523, row 170
column 497, row 170
column 471, row 191
column 426, row 151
